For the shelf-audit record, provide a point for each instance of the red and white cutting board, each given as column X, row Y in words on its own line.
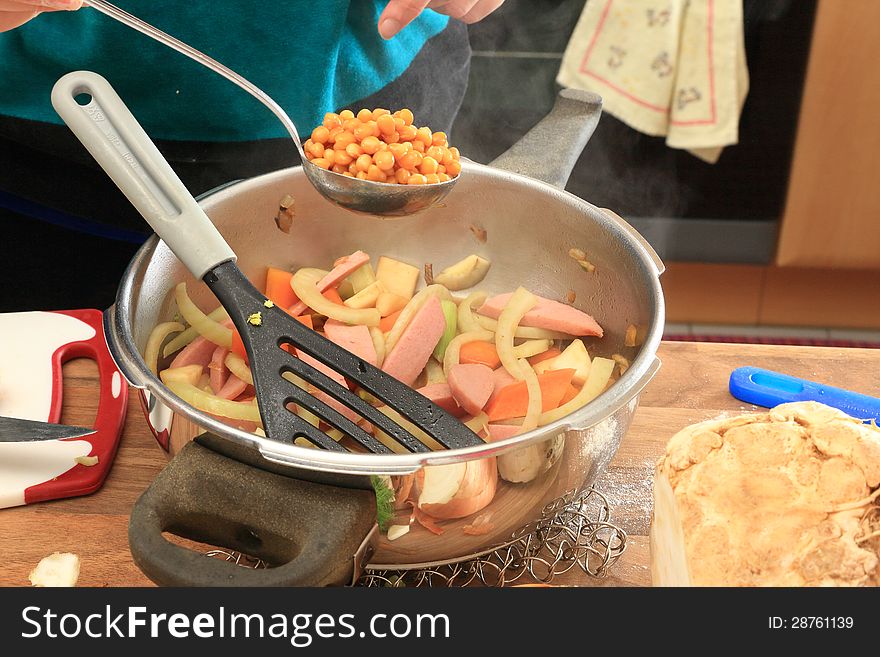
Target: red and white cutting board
column 33, row 347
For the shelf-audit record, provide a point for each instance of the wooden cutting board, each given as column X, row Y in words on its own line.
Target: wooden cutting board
column 691, row 386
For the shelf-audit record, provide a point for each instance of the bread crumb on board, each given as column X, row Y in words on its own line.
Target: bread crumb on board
column 59, row 569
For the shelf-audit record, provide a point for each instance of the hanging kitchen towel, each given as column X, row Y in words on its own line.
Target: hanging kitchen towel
column 673, row 68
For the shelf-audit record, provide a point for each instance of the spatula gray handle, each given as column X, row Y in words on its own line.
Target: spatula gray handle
column 119, row 144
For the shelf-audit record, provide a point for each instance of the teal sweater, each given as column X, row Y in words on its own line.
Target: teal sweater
column 310, row 56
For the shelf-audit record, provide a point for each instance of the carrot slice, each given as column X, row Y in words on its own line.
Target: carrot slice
column 278, row 287
column 513, row 400
column 307, row 320
column 387, row 323
column 552, row 352
column 570, row 394
column 331, row 294
column 238, row 345
column 479, row 353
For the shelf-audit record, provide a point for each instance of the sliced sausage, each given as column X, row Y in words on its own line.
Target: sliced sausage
column 232, row 388
column 547, row 314
column 333, row 374
column 501, row 379
column 441, row 394
column 411, row 353
column 217, row 369
column 471, row 385
column 339, row 406
column 197, row 352
column 355, row 339
column 323, row 396
column 342, row 268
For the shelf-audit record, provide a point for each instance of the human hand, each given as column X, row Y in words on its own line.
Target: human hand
column 400, row 13
column 17, row 12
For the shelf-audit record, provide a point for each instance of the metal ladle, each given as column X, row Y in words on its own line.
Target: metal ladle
column 364, row 196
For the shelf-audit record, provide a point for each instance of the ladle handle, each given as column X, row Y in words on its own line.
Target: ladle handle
column 119, row 144
column 143, row 27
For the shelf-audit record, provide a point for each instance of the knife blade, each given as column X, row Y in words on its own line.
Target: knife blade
column 16, row 430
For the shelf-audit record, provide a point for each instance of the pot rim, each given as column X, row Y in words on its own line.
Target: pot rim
column 128, row 358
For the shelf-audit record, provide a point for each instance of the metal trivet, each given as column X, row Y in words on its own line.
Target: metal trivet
column 575, row 530
column 237, row 558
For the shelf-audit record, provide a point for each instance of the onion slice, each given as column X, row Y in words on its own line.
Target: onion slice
column 524, row 332
column 213, row 404
column 409, row 311
column 154, row 342
column 531, row 348
column 378, row 344
column 466, row 321
column 304, row 284
column 395, row 446
column 239, row 367
column 600, row 374
column 521, row 302
column 533, row 411
column 206, row 327
column 190, row 334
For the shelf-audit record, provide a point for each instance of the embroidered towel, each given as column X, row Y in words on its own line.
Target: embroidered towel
column 673, row 68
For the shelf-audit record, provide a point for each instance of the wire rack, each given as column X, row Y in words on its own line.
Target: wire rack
column 574, row 531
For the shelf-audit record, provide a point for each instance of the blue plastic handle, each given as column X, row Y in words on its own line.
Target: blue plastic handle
column 766, row 388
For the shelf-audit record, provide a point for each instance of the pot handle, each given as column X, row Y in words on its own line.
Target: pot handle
column 312, row 534
column 563, row 132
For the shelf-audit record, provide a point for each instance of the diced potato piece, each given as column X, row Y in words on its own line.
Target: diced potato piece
column 397, row 277
column 190, row 374
column 389, row 303
column 574, row 357
column 362, row 277
column 366, row 298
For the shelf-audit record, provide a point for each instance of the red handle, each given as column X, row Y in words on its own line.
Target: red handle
column 112, row 407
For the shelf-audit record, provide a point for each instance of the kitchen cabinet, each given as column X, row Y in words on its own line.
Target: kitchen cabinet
column 827, row 265
column 832, row 216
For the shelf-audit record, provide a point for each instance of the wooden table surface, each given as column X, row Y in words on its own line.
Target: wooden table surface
column 691, row 386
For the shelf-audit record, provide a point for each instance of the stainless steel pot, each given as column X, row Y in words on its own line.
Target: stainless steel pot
column 516, row 214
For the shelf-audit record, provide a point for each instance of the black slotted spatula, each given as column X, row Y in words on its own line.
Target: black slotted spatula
column 101, row 121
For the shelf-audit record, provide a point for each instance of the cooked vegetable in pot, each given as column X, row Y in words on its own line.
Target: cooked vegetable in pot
column 504, row 365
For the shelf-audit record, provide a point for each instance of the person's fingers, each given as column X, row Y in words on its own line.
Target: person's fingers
column 11, row 19
column 14, row 13
column 482, row 9
column 398, row 14
column 453, row 8
column 44, row 5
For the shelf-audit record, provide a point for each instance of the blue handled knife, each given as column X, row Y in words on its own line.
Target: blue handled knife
column 767, row 388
